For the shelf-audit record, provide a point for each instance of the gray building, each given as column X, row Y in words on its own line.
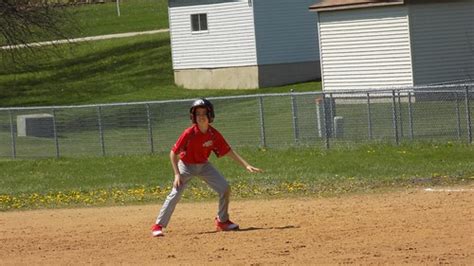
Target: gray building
column 243, row 43
column 385, row 43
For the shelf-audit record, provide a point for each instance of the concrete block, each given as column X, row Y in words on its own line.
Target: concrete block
column 35, row 125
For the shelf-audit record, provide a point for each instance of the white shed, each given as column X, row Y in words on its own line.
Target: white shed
column 243, row 43
column 386, row 43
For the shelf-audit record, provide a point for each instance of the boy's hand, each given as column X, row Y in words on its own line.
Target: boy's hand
column 177, row 181
column 242, row 162
column 252, row 169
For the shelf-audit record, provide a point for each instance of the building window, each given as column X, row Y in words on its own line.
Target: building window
column 199, row 22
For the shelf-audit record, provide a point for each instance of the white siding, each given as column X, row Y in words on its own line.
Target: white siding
column 285, row 31
column 442, row 37
column 230, row 40
column 365, row 48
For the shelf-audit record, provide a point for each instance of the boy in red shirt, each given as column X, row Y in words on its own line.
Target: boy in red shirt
column 189, row 158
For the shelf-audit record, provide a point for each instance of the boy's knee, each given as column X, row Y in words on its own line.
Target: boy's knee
column 175, row 192
column 227, row 190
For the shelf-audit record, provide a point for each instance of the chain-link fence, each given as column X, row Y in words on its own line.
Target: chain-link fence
column 268, row 120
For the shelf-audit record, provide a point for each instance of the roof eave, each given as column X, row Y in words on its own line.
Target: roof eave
column 316, row 8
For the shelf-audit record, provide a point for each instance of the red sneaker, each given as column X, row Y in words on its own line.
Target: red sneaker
column 157, row 230
column 226, row 226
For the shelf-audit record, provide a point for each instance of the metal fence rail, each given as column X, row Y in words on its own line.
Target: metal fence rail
column 323, row 119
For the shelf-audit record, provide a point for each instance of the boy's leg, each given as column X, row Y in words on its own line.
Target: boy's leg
column 175, row 195
column 218, row 183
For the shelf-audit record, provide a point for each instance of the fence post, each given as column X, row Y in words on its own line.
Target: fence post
column 263, row 140
column 458, row 116
column 55, row 133
column 150, row 128
column 400, row 115
column 369, row 117
column 101, row 132
column 468, row 117
column 12, row 133
column 332, row 114
column 294, row 111
column 326, row 127
column 394, row 118
column 410, row 116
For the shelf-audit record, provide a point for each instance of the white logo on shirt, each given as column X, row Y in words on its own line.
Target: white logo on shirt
column 207, row 144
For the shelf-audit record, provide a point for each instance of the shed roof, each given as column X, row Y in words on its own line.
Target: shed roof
column 328, row 5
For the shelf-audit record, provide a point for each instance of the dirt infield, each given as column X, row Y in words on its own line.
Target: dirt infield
column 412, row 226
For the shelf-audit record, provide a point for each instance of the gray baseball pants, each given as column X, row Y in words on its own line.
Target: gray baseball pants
column 211, row 176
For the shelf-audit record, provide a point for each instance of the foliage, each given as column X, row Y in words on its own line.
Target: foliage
column 25, row 21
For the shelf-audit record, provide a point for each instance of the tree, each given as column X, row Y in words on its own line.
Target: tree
column 25, row 21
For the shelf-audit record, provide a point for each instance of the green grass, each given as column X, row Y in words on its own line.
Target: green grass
column 119, row 70
column 135, row 15
column 301, row 171
column 102, row 19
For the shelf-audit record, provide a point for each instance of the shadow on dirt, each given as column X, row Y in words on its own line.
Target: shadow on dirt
column 254, row 229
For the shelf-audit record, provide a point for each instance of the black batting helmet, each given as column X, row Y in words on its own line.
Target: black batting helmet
column 202, row 103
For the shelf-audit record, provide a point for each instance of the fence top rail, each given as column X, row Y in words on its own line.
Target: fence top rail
column 433, row 87
column 158, row 102
column 453, row 88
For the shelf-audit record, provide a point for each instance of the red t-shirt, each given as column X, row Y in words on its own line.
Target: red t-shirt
column 193, row 146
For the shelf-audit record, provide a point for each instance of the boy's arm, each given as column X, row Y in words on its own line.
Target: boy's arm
column 174, row 163
column 232, row 154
